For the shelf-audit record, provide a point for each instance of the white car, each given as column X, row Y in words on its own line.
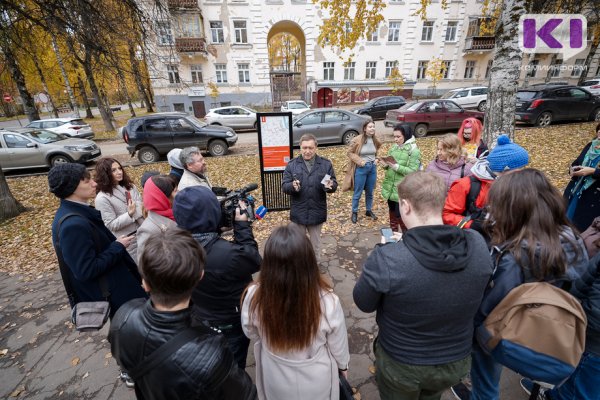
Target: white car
column 295, row 106
column 74, row 127
column 236, row 117
column 592, row 86
column 470, row 97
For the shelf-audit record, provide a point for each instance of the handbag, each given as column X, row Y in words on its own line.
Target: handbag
column 86, row 315
column 591, row 237
column 345, row 388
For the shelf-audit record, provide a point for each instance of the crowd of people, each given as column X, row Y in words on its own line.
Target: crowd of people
column 468, row 228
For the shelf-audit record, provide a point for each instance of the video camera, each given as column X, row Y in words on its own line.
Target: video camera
column 230, row 200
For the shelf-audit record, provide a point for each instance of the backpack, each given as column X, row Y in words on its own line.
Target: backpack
column 471, row 209
column 537, row 330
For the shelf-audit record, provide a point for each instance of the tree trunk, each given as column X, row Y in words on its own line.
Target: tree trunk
column 36, row 63
column 135, row 67
column 588, row 59
column 550, row 70
column 89, row 74
column 19, row 79
column 63, row 72
column 9, row 206
column 504, row 77
column 86, row 102
column 124, row 89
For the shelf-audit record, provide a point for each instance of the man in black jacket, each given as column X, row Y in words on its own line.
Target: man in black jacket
column 304, row 180
column 229, row 265
column 200, row 366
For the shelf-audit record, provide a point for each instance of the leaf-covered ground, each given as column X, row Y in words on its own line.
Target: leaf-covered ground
column 25, row 243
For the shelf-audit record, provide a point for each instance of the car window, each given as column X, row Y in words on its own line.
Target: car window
column 562, row 93
column 411, row 106
column 589, row 83
column 434, row 106
column 577, row 93
column 180, row 125
column 35, row 124
column 312, row 119
column 334, row 116
column 50, row 124
column 462, row 93
column 526, row 95
column 43, row 136
column 298, row 105
column 156, row 125
column 225, row 111
column 15, row 141
column 137, row 126
column 451, row 107
column 478, row 92
column 77, row 122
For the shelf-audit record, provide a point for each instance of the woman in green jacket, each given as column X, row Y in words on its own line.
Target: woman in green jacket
column 407, row 159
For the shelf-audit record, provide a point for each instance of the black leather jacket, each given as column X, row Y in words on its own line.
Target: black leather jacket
column 201, row 369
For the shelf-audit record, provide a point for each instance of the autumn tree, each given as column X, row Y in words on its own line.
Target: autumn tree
column 436, row 68
column 396, row 80
column 285, row 52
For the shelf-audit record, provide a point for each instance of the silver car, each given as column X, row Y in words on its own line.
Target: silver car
column 32, row 148
column 328, row 125
column 74, row 127
column 236, row 117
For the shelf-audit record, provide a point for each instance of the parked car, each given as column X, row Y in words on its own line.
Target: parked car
column 592, row 86
column 33, row 148
column 236, row 117
column 469, row 97
column 295, row 107
column 430, row 115
column 542, row 105
column 329, row 125
column 376, row 108
column 156, row 134
column 74, row 127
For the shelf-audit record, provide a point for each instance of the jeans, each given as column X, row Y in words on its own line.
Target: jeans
column 364, row 179
column 583, row 384
column 485, row 375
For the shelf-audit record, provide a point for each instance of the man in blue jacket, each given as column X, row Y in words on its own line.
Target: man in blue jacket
column 90, row 251
column 304, row 180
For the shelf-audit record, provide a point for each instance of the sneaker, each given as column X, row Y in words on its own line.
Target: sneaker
column 527, row 385
column 461, row 391
column 124, row 376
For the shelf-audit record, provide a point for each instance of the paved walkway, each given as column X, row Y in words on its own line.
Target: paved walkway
column 43, row 357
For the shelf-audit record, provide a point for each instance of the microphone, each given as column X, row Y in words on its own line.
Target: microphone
column 261, row 211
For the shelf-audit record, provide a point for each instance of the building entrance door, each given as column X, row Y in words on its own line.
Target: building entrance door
column 199, row 109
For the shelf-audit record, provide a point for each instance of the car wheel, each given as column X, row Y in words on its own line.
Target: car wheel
column 215, row 124
column 481, row 106
column 420, row 130
column 348, row 136
column 148, row 154
column 60, row 159
column 595, row 116
column 544, row 119
column 217, row 148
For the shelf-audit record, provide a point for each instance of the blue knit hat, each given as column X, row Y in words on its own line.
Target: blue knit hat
column 507, row 155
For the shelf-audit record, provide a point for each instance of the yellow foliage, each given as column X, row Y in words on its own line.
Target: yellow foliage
column 396, row 80
column 214, row 90
column 435, row 70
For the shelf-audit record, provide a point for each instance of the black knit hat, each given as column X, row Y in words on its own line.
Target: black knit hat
column 63, row 179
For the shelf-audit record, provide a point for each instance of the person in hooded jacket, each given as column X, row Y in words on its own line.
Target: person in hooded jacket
column 229, row 265
column 174, row 159
column 424, row 342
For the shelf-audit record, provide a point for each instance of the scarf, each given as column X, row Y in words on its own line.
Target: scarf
column 591, row 159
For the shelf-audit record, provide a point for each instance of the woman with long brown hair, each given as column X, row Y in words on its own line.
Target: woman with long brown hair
column 296, row 321
column 118, row 200
column 532, row 241
column 450, row 163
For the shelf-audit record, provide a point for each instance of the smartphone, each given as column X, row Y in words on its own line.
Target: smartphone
column 576, row 167
column 387, row 234
column 131, row 233
column 127, row 196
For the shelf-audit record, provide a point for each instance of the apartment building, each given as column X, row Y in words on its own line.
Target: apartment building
column 210, row 53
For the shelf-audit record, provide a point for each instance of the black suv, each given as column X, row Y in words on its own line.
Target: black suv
column 541, row 105
column 377, row 108
column 156, row 134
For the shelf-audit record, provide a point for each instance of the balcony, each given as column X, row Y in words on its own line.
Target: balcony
column 190, row 45
column 175, row 5
column 479, row 43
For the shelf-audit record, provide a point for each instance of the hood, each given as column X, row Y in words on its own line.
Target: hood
column 197, row 210
column 482, row 170
column 410, row 144
column 173, row 158
column 155, row 200
column 441, row 248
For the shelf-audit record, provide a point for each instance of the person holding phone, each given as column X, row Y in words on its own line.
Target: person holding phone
column 118, row 201
column 583, row 192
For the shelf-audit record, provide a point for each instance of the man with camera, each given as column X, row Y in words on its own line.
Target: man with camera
column 194, row 173
column 229, row 265
column 307, row 179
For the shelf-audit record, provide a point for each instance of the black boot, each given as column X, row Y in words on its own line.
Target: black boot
column 354, row 217
column 370, row 214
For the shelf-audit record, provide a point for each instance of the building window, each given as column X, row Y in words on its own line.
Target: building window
column 421, row 69
column 394, row 31
column 577, row 67
column 241, row 33
column 196, row 73
column 164, row 33
column 221, row 72
column 189, row 26
column 244, row 73
column 488, row 69
column 451, row 31
column 328, row 71
column 469, row 69
column 427, row 33
column 389, row 67
column 173, row 73
column 216, row 32
column 447, row 66
column 532, row 68
column 349, row 71
column 555, row 69
column 373, row 36
column 371, row 69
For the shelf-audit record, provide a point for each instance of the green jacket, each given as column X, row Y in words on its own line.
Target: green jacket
column 408, row 159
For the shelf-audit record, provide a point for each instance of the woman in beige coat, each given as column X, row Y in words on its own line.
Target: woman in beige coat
column 296, row 321
column 118, row 200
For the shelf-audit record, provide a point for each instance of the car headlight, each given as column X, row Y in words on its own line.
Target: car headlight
column 230, row 134
column 75, row 148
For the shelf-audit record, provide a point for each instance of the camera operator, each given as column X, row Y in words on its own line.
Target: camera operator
column 229, row 265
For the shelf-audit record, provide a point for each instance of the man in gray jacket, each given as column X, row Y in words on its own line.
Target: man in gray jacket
column 426, row 289
column 194, row 172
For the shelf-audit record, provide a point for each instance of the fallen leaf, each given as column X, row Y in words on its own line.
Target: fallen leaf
column 372, row 369
column 17, row 391
column 75, row 361
column 85, row 375
column 3, row 352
